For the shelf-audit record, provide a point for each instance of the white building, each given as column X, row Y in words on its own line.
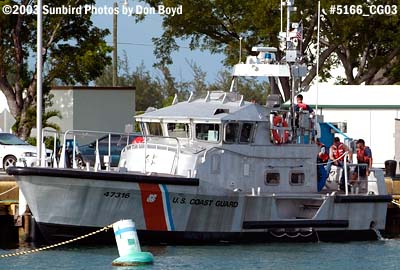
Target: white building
column 94, row 108
column 6, row 119
column 371, row 113
column 85, row 108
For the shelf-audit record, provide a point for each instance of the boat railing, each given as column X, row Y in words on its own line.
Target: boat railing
column 75, row 148
column 48, row 160
column 215, row 148
column 356, row 177
column 209, row 150
column 147, row 144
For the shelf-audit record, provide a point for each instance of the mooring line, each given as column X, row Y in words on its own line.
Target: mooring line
column 5, row 192
column 106, row 228
column 396, row 203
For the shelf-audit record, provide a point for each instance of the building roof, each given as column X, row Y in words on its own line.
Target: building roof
column 353, row 96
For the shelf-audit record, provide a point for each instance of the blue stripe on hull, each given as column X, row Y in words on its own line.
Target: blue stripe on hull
column 168, row 206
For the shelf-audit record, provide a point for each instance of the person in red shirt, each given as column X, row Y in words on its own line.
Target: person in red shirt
column 364, row 156
column 300, row 106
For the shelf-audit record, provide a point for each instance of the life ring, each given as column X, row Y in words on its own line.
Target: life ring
column 279, row 122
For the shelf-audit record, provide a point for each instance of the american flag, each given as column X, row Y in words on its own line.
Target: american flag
column 299, row 32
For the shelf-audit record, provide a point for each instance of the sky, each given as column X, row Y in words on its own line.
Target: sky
column 135, row 40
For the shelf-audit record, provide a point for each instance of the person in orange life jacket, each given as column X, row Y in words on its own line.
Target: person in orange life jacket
column 323, row 153
column 336, row 152
column 336, row 157
column 364, row 156
column 322, row 157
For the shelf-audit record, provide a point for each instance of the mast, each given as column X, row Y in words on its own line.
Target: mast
column 293, row 56
column 262, row 62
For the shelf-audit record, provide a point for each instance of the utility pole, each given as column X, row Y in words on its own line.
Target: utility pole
column 115, row 53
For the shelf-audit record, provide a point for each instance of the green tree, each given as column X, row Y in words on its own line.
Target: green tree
column 366, row 46
column 149, row 92
column 159, row 89
column 74, row 52
column 251, row 88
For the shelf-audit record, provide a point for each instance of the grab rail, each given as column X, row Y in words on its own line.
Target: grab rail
column 75, row 149
column 348, row 166
column 146, row 145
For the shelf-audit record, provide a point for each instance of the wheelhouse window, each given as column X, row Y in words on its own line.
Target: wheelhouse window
column 238, row 132
column 246, row 133
column 297, row 178
column 231, row 132
column 154, row 129
column 180, row 130
column 208, row 132
column 272, row 178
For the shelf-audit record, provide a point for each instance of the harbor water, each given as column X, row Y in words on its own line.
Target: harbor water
column 383, row 254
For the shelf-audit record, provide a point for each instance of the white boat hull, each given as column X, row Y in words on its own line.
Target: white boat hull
column 65, row 203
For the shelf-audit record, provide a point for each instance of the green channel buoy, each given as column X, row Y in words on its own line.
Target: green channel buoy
column 128, row 245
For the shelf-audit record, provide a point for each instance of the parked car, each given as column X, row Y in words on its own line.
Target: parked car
column 87, row 152
column 13, row 149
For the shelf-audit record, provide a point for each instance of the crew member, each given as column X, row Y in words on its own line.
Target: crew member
column 300, row 106
column 336, row 157
column 364, row 156
column 323, row 156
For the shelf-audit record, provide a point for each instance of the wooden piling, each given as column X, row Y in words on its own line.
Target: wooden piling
column 9, row 236
column 393, row 212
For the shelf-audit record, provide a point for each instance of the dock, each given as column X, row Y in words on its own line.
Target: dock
column 393, row 211
column 10, row 224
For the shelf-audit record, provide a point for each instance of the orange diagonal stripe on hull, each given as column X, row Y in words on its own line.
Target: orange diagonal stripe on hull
column 153, row 208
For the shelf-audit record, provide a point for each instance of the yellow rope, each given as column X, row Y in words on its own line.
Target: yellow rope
column 395, row 202
column 106, row 228
column 5, row 192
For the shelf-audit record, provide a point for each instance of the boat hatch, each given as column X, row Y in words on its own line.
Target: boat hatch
column 218, row 111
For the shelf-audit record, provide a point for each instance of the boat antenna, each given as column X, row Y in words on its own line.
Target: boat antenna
column 289, row 8
column 288, row 4
column 240, row 50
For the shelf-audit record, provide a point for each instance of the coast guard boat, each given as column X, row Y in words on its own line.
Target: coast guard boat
column 211, row 169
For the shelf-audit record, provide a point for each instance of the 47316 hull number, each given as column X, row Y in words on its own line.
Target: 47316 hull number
column 112, row 194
